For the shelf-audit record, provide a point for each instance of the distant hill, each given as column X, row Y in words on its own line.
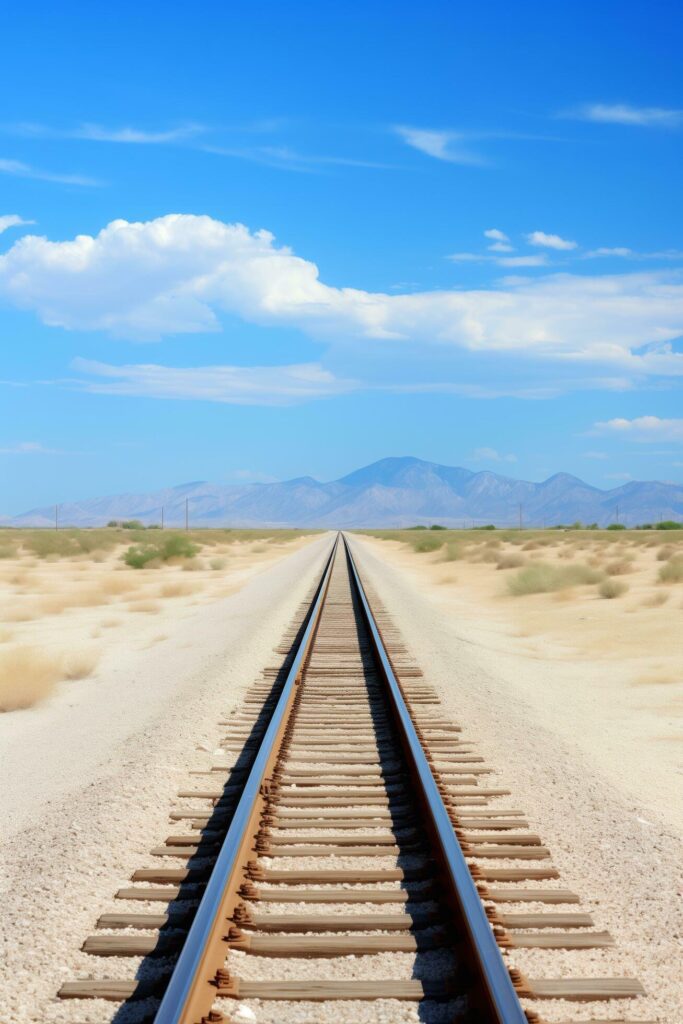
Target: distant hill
column 390, row 493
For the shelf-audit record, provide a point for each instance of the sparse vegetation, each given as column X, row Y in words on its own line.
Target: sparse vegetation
column 672, row 571
column 542, row 578
column 26, row 677
column 176, row 545
column 611, row 588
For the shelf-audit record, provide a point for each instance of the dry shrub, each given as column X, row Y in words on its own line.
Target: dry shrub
column 511, row 561
column 217, row 563
column 79, row 664
column 530, row 545
column 542, row 578
column 619, row 567
column 665, row 553
column 610, row 589
column 672, row 571
column 116, row 584
column 452, row 552
column 26, row 677
column 656, row 600
column 176, row 589
column 151, row 607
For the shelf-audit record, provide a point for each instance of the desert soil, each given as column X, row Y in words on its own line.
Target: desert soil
column 89, row 775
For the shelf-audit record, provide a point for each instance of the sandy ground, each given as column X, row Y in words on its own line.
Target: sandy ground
column 88, row 776
column 604, row 675
column 568, row 758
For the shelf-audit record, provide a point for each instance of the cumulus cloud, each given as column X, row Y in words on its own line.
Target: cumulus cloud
column 624, row 113
column 12, row 220
column 176, row 274
column 547, row 241
column 643, row 428
column 496, row 235
column 236, row 385
column 442, row 145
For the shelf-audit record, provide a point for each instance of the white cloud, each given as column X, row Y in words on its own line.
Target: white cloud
column 496, row 235
column 619, row 250
column 643, row 428
column 12, row 220
column 97, row 133
column 540, row 238
column 236, row 385
column 176, row 274
column 28, row 448
column 442, row 145
column 466, row 257
column 21, row 170
column 539, row 260
column 490, row 455
column 624, row 113
column 501, row 247
column 600, row 456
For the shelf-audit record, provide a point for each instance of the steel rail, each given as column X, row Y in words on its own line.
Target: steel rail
column 493, row 973
column 190, row 978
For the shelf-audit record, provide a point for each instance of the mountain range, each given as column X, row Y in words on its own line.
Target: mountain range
column 393, row 492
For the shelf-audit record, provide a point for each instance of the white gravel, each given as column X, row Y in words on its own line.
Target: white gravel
column 79, row 838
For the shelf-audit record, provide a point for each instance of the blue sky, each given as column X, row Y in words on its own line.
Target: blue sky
column 253, row 241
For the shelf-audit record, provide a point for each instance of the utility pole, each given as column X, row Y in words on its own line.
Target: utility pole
column 187, row 517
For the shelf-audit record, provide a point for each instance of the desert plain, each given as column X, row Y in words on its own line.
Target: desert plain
column 560, row 653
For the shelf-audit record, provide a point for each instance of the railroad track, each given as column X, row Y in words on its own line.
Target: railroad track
column 348, row 848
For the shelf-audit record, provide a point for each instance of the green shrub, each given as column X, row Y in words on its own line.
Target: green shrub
column 139, row 555
column 489, row 526
column 612, row 588
column 542, row 578
column 616, row 526
column 669, row 524
column 435, row 526
column 174, row 546
column 672, row 571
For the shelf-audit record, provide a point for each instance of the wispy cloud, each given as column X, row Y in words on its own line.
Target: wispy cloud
column 622, row 252
column 546, row 241
column 442, row 145
column 490, row 455
column 29, row 448
column 100, row 133
column 643, row 429
column 13, row 220
column 599, row 456
column 625, row 114
column 21, row 170
column 534, row 260
column 286, row 158
column 236, row 385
